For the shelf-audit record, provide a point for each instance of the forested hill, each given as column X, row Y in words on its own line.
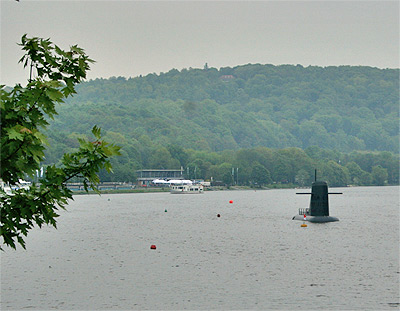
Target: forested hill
column 343, row 108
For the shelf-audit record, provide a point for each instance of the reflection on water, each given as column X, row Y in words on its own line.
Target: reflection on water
column 252, row 257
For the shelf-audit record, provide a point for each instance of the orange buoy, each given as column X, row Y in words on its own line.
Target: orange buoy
column 303, row 225
column 231, row 201
column 153, row 247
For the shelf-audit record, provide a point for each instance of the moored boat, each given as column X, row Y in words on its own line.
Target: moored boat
column 6, row 189
column 180, row 186
column 186, row 188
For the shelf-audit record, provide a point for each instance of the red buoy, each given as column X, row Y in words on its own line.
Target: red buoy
column 218, row 215
column 153, row 247
column 231, row 201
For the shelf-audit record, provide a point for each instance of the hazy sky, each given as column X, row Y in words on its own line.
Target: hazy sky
column 132, row 38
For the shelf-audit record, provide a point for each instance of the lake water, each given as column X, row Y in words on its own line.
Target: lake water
column 252, row 257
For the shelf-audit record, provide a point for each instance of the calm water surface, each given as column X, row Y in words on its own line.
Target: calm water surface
column 252, row 257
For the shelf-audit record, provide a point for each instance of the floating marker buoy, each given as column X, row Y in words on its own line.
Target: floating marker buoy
column 303, row 225
column 218, row 215
column 153, row 247
column 165, row 210
column 231, row 201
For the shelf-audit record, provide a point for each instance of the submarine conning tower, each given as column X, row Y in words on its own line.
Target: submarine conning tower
column 318, row 210
column 319, row 204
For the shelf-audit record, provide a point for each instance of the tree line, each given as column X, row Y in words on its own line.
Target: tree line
column 246, row 119
column 258, row 166
column 343, row 108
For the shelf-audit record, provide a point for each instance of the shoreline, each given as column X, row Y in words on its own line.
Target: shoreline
column 208, row 189
column 158, row 190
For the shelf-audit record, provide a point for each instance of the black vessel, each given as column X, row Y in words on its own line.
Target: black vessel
column 319, row 204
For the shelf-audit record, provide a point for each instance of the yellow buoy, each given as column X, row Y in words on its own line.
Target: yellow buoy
column 303, row 225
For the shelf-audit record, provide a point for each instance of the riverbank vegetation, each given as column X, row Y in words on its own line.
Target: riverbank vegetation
column 230, row 124
column 261, row 166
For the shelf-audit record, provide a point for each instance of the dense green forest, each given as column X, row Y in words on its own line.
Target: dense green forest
column 281, row 120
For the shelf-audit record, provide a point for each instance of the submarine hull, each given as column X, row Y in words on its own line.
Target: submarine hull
column 318, row 219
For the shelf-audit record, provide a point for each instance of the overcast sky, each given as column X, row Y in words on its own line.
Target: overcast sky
column 132, row 38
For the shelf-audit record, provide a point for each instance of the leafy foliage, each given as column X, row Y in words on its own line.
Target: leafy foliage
column 267, row 114
column 24, row 115
column 343, row 108
column 289, row 119
column 260, row 175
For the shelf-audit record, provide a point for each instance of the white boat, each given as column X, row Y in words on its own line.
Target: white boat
column 22, row 184
column 180, row 186
column 5, row 188
column 186, row 188
column 9, row 189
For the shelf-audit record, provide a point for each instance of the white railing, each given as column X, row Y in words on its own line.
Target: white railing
column 304, row 211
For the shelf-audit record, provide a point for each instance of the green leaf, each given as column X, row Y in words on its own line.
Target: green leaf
column 14, row 134
column 41, row 137
column 54, row 94
column 96, row 131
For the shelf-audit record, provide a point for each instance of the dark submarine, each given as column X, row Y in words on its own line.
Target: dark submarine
column 318, row 210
